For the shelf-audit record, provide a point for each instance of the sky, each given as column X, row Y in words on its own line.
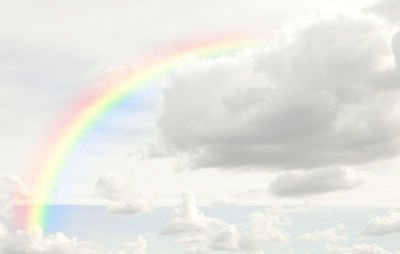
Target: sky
column 288, row 146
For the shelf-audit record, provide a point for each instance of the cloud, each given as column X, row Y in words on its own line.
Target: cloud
column 12, row 190
column 188, row 219
column 319, row 100
column 198, row 250
column 204, row 234
column 328, row 235
column 303, row 183
column 265, row 228
column 192, row 239
column 121, row 202
column 111, row 186
column 388, row 9
column 358, row 249
column 279, row 210
column 130, row 207
column 3, row 231
column 137, row 247
column 33, row 241
column 227, row 239
column 228, row 201
column 385, row 225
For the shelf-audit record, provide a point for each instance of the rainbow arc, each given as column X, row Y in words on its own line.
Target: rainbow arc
column 86, row 111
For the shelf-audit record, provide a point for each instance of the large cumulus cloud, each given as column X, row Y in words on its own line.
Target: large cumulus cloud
column 327, row 97
column 388, row 9
column 302, row 183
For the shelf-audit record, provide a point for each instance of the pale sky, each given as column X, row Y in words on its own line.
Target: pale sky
column 290, row 148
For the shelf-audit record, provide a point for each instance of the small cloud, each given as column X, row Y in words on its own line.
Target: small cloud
column 327, row 235
column 111, row 186
column 358, row 249
column 188, row 219
column 227, row 239
column 227, row 201
column 33, row 241
column 205, row 234
column 137, row 247
column 385, row 225
column 265, row 227
column 12, row 191
column 114, row 188
column 134, row 206
column 278, row 210
column 192, row 239
column 3, row 231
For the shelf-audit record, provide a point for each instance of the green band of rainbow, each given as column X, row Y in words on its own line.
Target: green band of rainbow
column 95, row 104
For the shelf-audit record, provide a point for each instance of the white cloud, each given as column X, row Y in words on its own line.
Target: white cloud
column 198, row 250
column 33, row 241
column 114, row 188
column 111, row 186
column 226, row 239
column 280, row 210
column 12, row 190
column 190, row 239
column 320, row 100
column 303, row 183
column 131, row 207
column 188, row 219
column 389, row 9
column 388, row 224
column 265, row 228
column 3, row 231
column 327, row 235
column 228, row 201
column 206, row 235
column 358, row 249
column 137, row 247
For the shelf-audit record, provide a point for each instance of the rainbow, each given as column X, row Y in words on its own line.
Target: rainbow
column 90, row 107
